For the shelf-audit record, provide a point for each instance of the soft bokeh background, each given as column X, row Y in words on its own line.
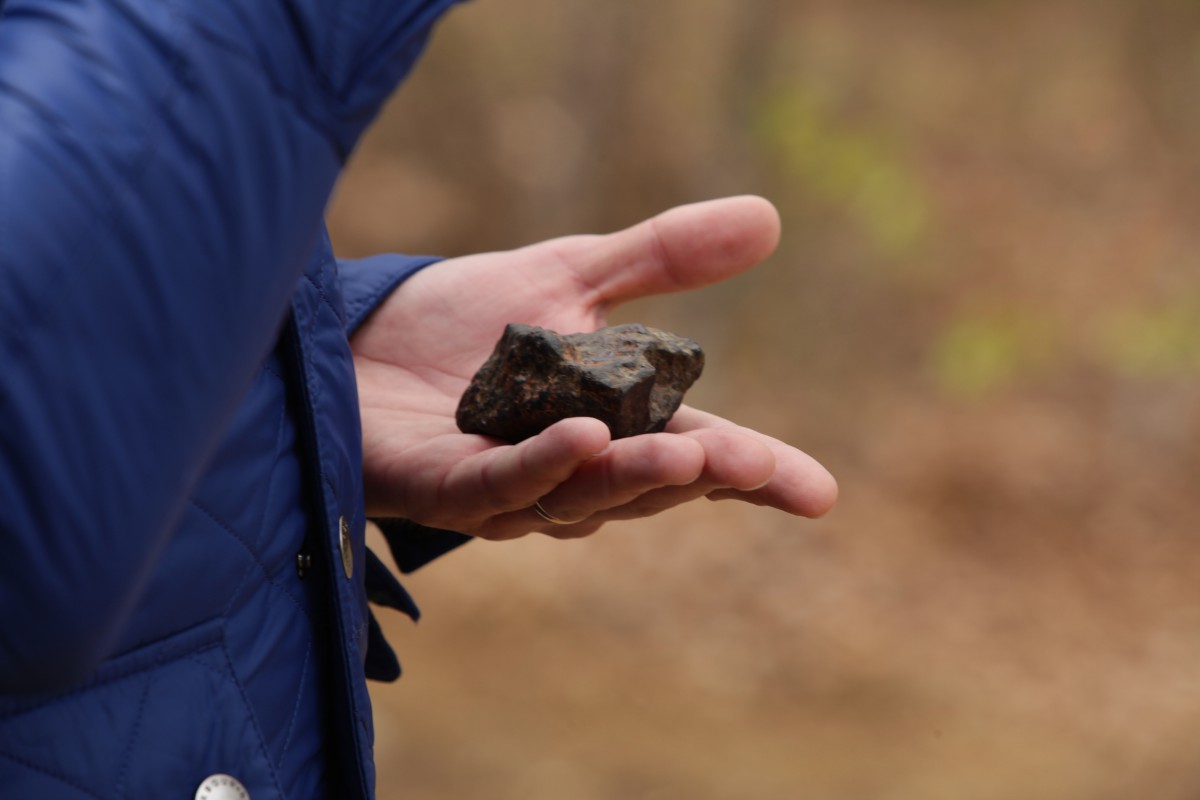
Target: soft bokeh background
column 984, row 317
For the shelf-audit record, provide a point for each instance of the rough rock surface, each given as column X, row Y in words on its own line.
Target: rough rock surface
column 631, row 377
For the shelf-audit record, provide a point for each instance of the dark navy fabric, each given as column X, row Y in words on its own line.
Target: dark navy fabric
column 178, row 415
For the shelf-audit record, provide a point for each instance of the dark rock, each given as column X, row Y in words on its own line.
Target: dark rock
column 629, row 376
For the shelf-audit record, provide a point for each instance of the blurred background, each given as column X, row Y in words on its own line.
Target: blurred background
column 984, row 318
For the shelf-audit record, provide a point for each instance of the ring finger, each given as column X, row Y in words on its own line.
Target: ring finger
column 626, row 470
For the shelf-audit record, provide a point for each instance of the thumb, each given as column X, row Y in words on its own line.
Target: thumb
column 684, row 248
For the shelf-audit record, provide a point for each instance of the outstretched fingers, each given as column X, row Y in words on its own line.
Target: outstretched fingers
column 624, row 472
column 630, row 468
column 571, row 479
column 642, row 476
column 703, row 456
column 732, row 462
column 504, row 479
column 799, row 484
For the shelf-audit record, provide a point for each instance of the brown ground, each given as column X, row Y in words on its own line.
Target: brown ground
column 985, row 318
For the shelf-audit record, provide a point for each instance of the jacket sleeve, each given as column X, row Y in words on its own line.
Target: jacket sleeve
column 365, row 284
column 163, row 170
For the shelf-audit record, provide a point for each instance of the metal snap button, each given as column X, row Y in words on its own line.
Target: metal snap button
column 345, row 546
column 222, row 787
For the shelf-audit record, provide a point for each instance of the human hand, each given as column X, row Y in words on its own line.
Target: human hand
column 415, row 355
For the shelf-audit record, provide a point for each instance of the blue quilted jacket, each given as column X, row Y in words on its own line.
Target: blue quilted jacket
column 183, row 579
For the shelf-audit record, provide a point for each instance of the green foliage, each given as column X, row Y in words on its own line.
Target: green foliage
column 979, row 355
column 1154, row 343
column 854, row 170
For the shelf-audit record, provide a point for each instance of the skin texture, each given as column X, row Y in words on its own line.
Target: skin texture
column 416, row 354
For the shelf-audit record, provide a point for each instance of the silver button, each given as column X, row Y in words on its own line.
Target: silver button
column 222, row 787
column 345, row 546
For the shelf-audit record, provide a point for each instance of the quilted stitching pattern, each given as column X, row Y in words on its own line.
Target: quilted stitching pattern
column 151, row 711
column 241, row 536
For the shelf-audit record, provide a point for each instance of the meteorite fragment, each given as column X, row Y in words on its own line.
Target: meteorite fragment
column 629, row 376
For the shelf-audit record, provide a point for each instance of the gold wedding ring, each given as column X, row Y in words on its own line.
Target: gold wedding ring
column 546, row 515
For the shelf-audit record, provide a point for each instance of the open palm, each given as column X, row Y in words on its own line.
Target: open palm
column 416, row 354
